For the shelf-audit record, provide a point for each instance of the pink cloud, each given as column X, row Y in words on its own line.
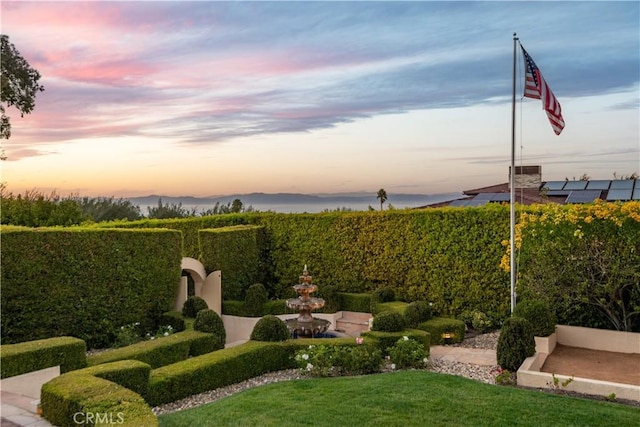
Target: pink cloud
column 119, row 73
column 15, row 154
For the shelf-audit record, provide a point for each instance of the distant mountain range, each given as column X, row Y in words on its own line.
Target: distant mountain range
column 297, row 202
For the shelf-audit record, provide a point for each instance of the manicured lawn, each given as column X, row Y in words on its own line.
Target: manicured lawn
column 406, row 398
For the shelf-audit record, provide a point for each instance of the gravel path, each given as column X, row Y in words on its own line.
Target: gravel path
column 481, row 373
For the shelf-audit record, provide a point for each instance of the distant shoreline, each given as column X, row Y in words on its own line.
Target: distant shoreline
column 296, row 203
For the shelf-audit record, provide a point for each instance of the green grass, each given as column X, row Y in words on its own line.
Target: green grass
column 405, row 398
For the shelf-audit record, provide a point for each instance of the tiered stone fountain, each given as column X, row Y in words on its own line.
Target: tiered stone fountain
column 305, row 325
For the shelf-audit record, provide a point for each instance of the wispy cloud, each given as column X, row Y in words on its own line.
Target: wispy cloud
column 205, row 72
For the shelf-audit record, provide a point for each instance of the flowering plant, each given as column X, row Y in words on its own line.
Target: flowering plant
column 504, row 377
column 128, row 334
column 408, row 353
column 331, row 360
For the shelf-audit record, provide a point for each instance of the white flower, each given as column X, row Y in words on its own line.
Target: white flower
column 170, row 327
column 153, row 338
column 309, row 366
column 305, row 356
column 425, row 360
column 393, row 366
column 406, row 338
column 166, row 334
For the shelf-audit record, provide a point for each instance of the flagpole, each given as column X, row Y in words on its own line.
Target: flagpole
column 512, row 181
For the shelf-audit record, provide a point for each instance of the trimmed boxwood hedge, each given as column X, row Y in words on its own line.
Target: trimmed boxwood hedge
column 17, row 359
column 217, row 369
column 70, row 394
column 162, row 351
column 131, row 374
column 441, row 325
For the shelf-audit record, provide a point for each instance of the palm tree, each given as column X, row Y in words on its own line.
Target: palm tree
column 382, row 195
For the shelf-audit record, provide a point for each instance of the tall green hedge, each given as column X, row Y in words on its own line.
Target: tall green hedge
column 448, row 256
column 239, row 252
column 189, row 227
column 85, row 282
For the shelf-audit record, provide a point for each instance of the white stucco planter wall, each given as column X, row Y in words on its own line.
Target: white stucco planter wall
column 529, row 374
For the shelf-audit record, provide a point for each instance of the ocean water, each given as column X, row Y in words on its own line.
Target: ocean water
column 322, row 206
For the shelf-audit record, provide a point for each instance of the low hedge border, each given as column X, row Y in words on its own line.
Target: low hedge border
column 131, row 374
column 355, row 302
column 22, row 358
column 84, row 399
column 388, row 339
column 397, row 306
column 438, row 326
column 213, row 370
column 160, row 352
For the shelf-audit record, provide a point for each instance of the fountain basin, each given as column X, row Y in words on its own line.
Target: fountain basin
column 305, row 329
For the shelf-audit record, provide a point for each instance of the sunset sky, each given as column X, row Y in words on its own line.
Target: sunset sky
column 211, row 98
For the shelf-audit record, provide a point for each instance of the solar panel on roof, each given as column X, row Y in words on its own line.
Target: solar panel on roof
column 575, row 185
column 501, row 197
column 554, row 185
column 624, row 194
column 636, row 193
column 598, row 185
column 484, row 196
column 622, row 184
column 557, row 193
column 583, row 196
column 477, row 202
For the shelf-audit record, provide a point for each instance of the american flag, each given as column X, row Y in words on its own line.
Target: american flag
column 536, row 87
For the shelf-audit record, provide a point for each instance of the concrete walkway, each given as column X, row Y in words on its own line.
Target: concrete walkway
column 476, row 356
column 17, row 410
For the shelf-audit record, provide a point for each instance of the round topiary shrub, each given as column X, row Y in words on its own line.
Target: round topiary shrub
column 538, row 313
column 417, row 312
column 389, row 321
column 515, row 343
column 210, row 322
column 270, row 328
column 192, row 306
column 381, row 295
column 255, row 299
column 385, row 294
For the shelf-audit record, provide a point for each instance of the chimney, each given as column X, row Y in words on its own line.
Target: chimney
column 527, row 177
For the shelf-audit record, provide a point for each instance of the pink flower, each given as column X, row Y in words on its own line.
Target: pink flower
column 359, row 340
